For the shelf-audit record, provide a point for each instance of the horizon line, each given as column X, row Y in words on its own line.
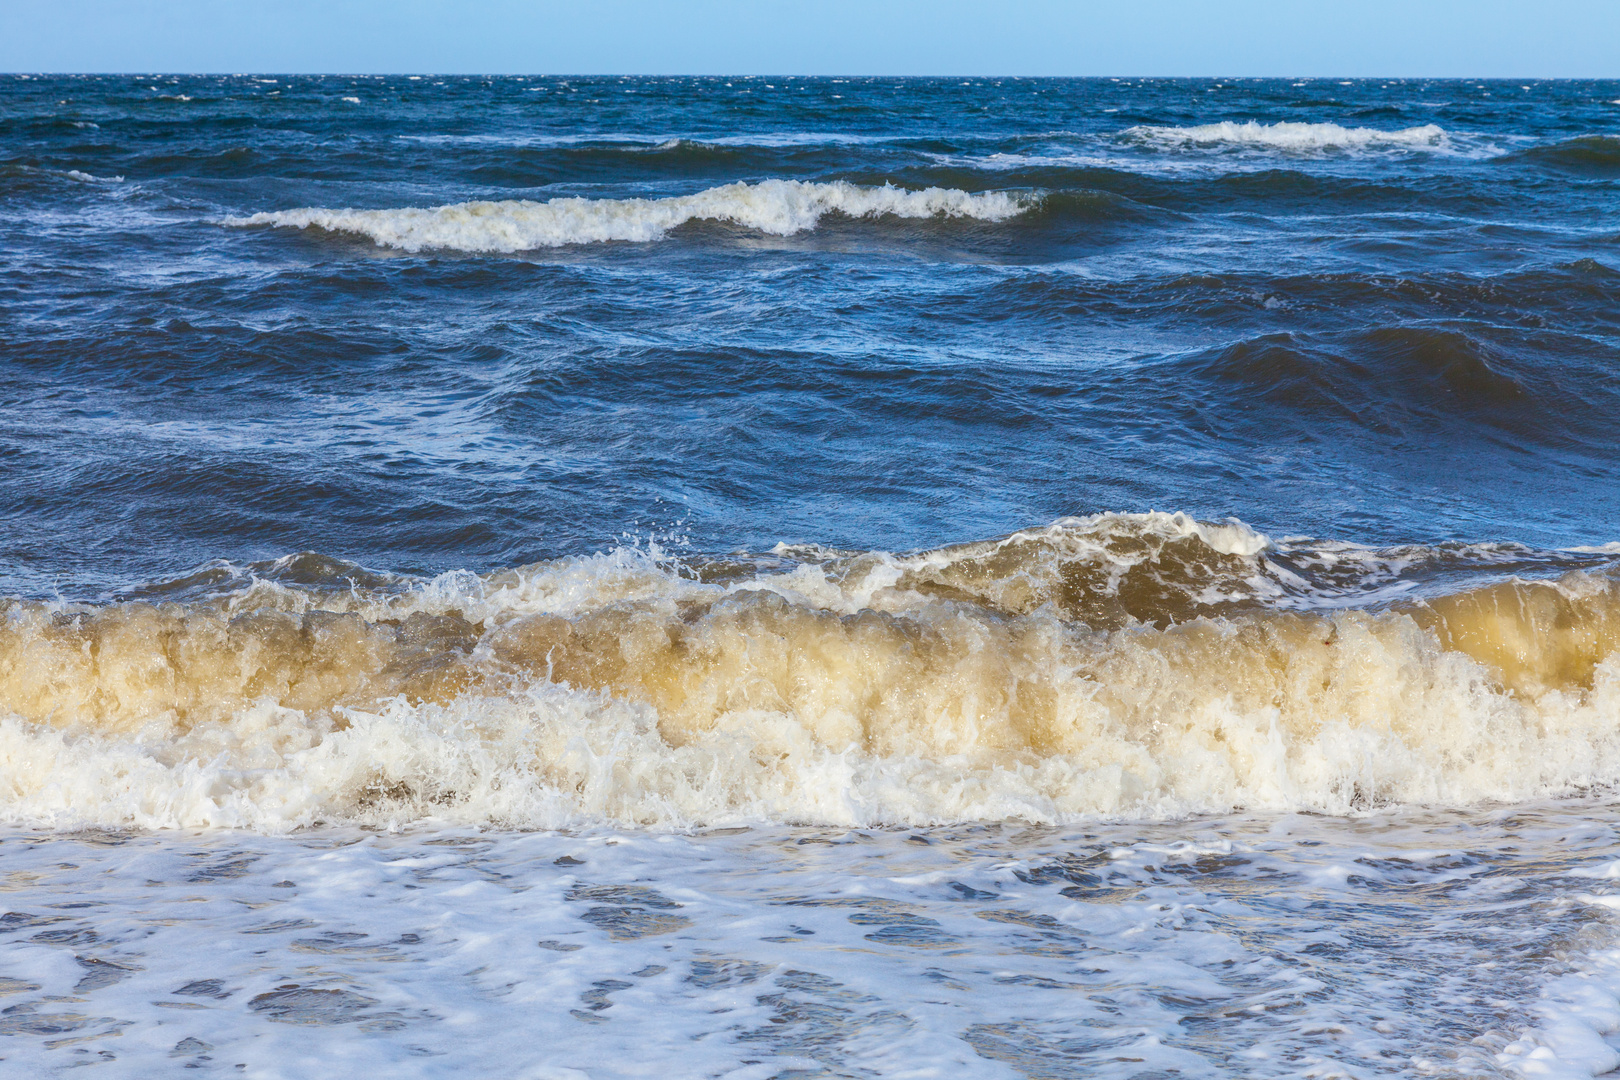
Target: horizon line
column 157, row 73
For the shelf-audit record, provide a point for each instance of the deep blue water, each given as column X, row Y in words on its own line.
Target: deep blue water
column 1131, row 795
column 1401, row 328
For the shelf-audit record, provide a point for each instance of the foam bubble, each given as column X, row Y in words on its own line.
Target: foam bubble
column 1575, row 1013
column 776, row 207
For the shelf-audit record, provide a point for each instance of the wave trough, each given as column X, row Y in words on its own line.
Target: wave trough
column 775, row 207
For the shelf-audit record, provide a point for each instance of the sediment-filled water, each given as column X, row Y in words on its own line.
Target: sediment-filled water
column 539, row 577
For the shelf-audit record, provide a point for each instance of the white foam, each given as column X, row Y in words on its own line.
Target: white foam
column 638, row 142
column 1575, row 1012
column 863, row 690
column 1293, row 137
column 1293, row 945
column 76, row 175
column 1139, row 665
column 776, row 207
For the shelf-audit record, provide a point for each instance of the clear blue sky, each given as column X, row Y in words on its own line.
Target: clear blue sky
column 1510, row 38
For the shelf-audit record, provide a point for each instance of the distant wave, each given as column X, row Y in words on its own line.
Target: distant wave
column 777, row 207
column 1293, row 137
column 87, row 178
column 631, row 142
column 57, row 174
column 1597, row 155
column 1391, row 371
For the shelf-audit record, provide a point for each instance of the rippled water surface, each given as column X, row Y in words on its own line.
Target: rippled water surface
column 1423, row 944
column 540, row 577
column 1376, row 311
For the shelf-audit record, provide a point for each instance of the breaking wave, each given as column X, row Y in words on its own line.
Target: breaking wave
column 777, row 207
column 30, row 171
column 1144, row 665
column 1293, row 137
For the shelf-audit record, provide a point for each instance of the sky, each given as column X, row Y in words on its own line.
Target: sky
column 1436, row 38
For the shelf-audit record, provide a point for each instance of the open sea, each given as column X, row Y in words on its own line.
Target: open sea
column 780, row 579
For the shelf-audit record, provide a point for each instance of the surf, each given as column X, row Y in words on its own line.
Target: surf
column 1141, row 666
column 773, row 207
column 1292, row 136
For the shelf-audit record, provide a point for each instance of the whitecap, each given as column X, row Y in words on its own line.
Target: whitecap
column 775, row 207
column 1291, row 137
column 87, row 178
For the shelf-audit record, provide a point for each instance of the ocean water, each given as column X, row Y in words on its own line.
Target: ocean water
column 788, row 578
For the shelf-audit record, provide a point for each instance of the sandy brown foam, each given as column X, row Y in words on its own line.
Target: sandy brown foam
column 1155, row 666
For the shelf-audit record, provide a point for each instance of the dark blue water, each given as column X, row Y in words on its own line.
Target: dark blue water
column 1399, row 322
column 274, row 350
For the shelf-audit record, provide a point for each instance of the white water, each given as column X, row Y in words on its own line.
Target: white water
column 1135, row 666
column 776, row 207
column 1294, row 137
column 311, row 790
column 1451, row 944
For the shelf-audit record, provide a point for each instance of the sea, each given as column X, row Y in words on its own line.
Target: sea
column 551, row 578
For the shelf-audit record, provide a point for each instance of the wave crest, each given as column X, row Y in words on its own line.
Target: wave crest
column 1592, row 155
column 776, row 207
column 1133, row 665
column 1292, row 137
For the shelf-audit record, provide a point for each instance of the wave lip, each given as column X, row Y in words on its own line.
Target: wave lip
column 1292, row 137
column 776, row 207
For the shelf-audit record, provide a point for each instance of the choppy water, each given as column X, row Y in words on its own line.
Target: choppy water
column 1139, row 562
